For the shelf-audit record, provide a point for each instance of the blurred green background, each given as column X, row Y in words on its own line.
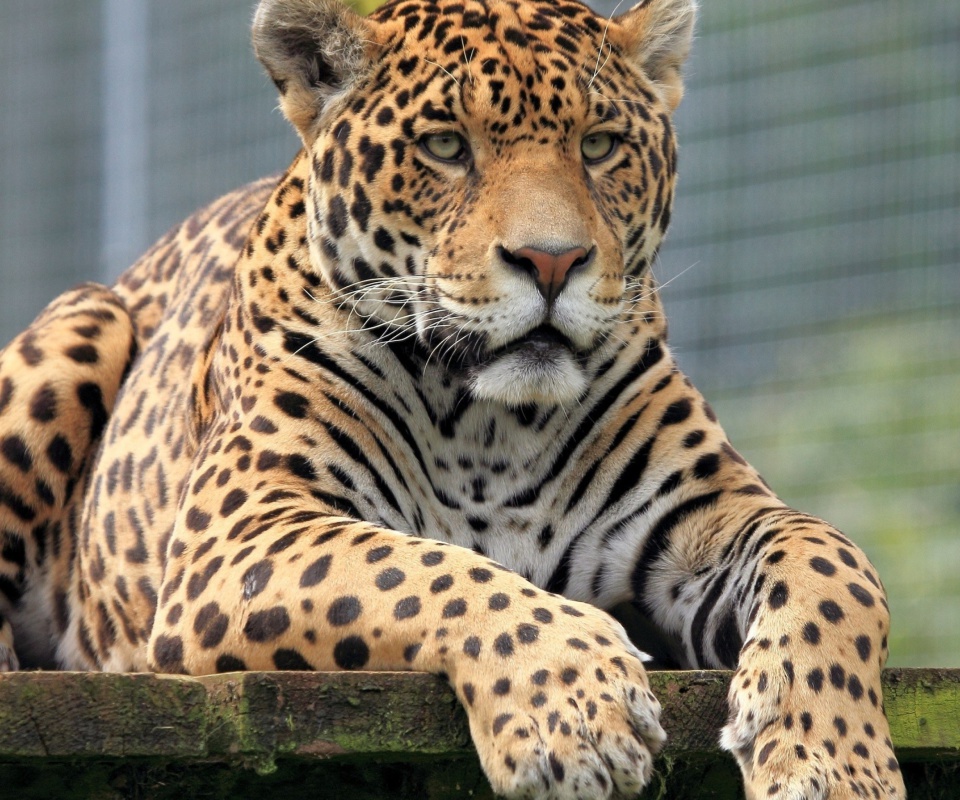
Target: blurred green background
column 812, row 273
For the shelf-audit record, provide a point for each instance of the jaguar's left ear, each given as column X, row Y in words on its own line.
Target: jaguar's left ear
column 313, row 50
column 658, row 35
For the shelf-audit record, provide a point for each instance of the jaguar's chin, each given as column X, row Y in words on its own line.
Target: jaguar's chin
column 536, row 369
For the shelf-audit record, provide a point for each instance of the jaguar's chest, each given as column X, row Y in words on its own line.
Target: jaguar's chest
column 489, row 478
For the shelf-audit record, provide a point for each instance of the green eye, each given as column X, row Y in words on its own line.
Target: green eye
column 445, row 146
column 597, row 146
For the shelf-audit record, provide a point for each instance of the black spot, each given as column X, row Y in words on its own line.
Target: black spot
column 168, row 653
column 441, row 584
column 471, row 646
column 527, row 633
column 498, row 602
column 432, row 558
column 384, row 240
column 503, row 645
column 256, row 578
column 15, row 450
column 811, row 633
column 861, row 595
column 815, row 679
column 779, row 595
column 60, row 454
column 211, row 625
column 91, row 398
column 262, row 626
column 379, row 553
column 556, row 767
column 569, row 676
column 788, row 669
column 855, row 687
column 199, row 580
column 765, row 752
column 468, row 693
column 83, row 354
column 229, row 663
column 301, row 467
column 197, row 520
column 410, row 652
column 288, row 658
column 706, row 465
column 43, row 404
column 232, row 501
column 351, row 653
column 407, row 607
column 838, row 676
column 822, row 566
column 337, row 216
column 344, row 610
column 846, row 558
column 831, row 611
column 389, row 578
column 292, row 404
column 542, row 615
column 676, row 412
column 481, row 575
column 863, row 647
column 6, row 392
column 455, row 608
column 316, row 572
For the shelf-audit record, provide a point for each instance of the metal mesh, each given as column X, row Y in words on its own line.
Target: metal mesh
column 813, row 283
column 812, row 274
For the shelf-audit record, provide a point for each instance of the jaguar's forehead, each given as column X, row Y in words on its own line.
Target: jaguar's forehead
column 506, row 62
column 565, row 30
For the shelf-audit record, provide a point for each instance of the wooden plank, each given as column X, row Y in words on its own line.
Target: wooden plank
column 366, row 735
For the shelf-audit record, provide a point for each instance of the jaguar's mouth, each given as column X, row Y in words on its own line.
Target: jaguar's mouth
column 543, row 341
column 540, row 366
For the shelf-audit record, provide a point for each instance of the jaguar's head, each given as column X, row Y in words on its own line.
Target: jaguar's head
column 493, row 177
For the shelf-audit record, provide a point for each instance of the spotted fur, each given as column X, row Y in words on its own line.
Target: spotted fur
column 410, row 406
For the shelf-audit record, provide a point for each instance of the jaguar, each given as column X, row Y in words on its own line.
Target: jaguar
column 410, row 406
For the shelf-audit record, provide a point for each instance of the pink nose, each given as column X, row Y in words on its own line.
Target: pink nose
column 548, row 269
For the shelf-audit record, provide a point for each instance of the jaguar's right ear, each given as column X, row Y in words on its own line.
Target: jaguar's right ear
column 313, row 50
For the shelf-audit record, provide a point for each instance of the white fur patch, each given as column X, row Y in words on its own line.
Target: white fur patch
column 530, row 377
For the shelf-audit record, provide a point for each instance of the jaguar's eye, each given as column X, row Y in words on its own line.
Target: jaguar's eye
column 447, row 146
column 597, row 146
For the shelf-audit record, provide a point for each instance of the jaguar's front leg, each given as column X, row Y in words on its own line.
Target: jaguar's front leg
column 557, row 698
column 806, row 712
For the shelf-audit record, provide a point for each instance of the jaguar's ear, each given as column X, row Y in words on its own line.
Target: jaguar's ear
column 659, row 33
column 313, row 50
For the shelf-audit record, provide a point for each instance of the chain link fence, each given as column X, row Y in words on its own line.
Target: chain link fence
column 812, row 276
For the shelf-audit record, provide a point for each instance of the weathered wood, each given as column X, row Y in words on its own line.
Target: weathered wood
column 364, row 735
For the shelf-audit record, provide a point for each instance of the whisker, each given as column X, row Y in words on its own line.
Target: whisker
column 603, row 39
column 443, row 69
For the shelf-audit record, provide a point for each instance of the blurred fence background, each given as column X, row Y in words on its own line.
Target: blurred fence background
column 812, row 273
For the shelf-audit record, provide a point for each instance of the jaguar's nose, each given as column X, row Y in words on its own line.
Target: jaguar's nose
column 549, row 270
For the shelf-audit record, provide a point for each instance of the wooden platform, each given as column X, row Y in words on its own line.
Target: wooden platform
column 359, row 736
